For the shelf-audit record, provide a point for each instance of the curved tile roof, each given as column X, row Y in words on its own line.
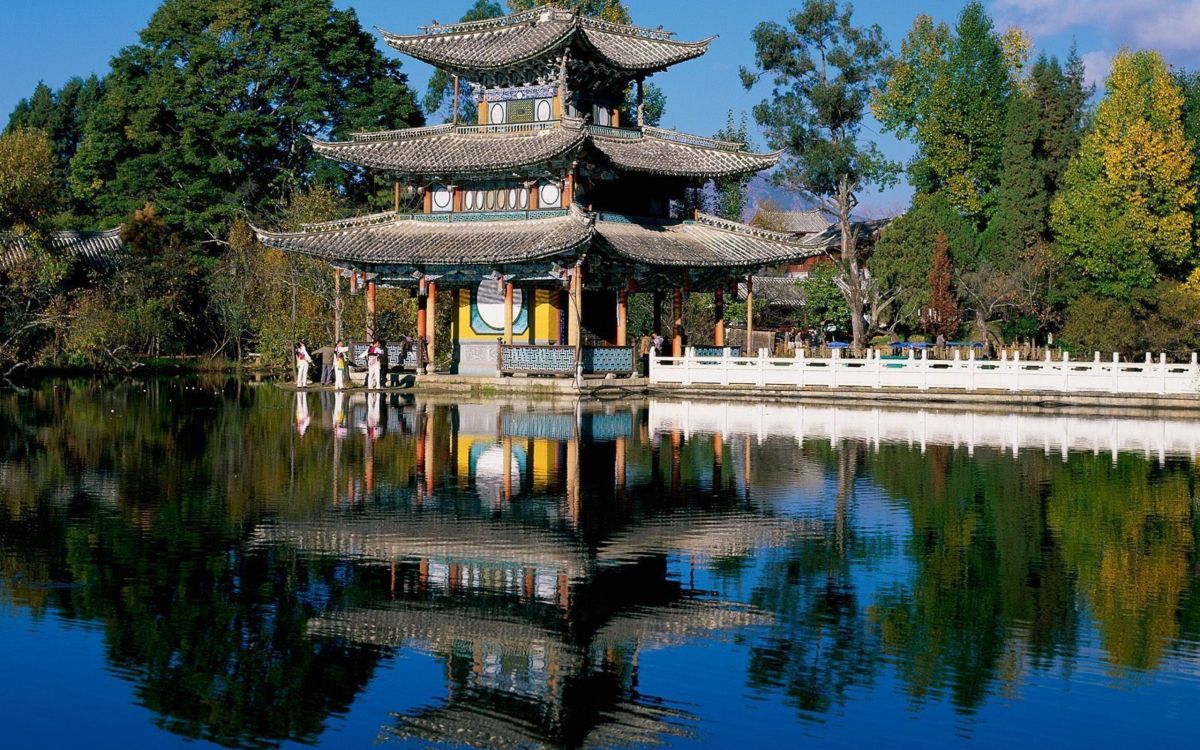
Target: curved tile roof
column 488, row 239
column 392, row 239
column 449, row 150
column 457, row 150
column 97, row 250
column 706, row 242
column 498, row 43
column 668, row 152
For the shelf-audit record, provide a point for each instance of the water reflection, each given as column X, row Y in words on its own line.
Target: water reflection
column 254, row 559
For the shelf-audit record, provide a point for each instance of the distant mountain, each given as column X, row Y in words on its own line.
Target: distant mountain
column 761, row 191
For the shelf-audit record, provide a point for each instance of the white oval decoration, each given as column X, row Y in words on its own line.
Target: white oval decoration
column 470, row 200
column 545, row 111
column 512, row 198
column 524, row 198
column 549, row 195
column 489, row 299
column 490, row 200
column 441, row 197
column 496, row 114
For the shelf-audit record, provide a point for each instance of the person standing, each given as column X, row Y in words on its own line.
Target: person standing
column 339, row 371
column 325, row 356
column 302, row 362
column 374, row 364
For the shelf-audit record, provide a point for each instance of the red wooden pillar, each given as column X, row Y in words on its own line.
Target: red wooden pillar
column 677, row 328
column 719, row 316
column 370, row 311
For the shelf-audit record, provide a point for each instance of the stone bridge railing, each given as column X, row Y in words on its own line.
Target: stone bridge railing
column 922, row 373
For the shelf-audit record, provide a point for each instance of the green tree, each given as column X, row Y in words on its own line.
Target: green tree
column 62, row 115
column 1022, row 210
column 1124, row 216
column 1060, row 96
column 1189, row 85
column 441, row 84
column 730, row 193
column 607, row 10
column 207, row 114
column 901, row 260
column 948, row 92
column 28, row 289
column 823, row 69
column 824, row 304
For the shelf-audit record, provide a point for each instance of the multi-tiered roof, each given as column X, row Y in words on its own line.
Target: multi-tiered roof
column 550, row 174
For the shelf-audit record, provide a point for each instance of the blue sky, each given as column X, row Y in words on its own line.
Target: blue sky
column 51, row 40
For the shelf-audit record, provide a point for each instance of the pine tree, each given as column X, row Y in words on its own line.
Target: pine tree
column 943, row 317
column 1022, row 204
column 1060, row 96
column 1124, row 216
column 824, row 69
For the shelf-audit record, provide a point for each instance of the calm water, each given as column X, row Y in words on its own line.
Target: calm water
column 194, row 562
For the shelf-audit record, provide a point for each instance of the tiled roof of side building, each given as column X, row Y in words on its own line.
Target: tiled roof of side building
column 458, row 150
column 100, row 251
column 706, row 242
column 801, row 222
column 433, row 240
column 498, row 43
column 668, row 152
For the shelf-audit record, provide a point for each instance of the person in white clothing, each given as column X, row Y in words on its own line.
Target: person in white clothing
column 302, row 362
column 374, row 364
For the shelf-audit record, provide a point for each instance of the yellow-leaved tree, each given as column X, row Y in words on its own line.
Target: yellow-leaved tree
column 1124, row 215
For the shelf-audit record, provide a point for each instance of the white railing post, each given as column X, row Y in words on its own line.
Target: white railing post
column 687, row 366
column 1016, row 375
column 725, row 365
column 877, row 363
column 762, row 367
column 834, row 356
column 1162, row 372
column 924, row 369
column 1116, row 373
column 1066, row 371
column 971, row 370
column 800, row 360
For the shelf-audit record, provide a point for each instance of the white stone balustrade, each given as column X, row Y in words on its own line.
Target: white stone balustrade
column 921, row 373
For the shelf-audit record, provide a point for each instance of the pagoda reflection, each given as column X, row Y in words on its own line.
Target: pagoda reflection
column 535, row 551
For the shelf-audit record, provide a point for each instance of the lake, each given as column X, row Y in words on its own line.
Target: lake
column 213, row 562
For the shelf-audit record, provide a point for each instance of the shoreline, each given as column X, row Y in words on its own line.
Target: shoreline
column 943, row 399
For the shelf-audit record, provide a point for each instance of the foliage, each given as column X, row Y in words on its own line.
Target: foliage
column 608, row 10
column 824, row 304
column 27, row 186
column 1124, row 217
column 61, row 114
column 1022, row 203
column 441, row 84
column 901, row 261
column 1061, row 97
column 942, row 317
column 730, row 193
column 948, row 92
column 1100, row 324
column 207, row 114
column 823, row 69
column 1189, row 86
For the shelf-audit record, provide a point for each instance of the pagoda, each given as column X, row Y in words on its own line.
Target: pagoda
column 543, row 216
